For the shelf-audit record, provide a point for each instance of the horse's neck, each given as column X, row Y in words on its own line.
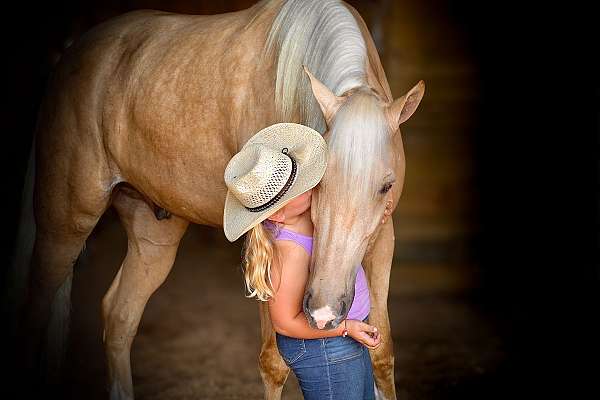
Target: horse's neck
column 248, row 88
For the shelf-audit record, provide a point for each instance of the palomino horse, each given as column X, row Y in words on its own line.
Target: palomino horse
column 144, row 112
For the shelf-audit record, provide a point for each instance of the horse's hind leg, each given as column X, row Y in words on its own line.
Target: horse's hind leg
column 152, row 246
column 66, row 210
column 273, row 370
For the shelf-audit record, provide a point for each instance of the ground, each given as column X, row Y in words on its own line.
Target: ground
column 200, row 337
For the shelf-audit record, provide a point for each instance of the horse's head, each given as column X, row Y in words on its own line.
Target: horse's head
column 365, row 170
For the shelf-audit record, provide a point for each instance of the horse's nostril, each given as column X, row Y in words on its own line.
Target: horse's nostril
column 306, row 309
column 307, row 298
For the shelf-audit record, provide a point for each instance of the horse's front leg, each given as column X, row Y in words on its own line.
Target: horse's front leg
column 377, row 264
column 273, row 370
column 152, row 246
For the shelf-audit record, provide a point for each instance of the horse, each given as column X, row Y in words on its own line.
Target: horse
column 143, row 113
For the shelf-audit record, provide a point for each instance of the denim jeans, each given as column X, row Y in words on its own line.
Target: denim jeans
column 330, row 368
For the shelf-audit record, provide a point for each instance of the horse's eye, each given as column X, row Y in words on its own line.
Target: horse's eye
column 386, row 188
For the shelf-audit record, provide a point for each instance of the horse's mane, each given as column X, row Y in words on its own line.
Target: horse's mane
column 324, row 36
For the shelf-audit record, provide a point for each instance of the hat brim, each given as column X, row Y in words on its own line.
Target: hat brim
column 308, row 148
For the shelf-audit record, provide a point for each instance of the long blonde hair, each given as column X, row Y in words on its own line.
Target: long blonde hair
column 258, row 253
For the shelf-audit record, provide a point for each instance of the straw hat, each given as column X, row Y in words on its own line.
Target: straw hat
column 277, row 164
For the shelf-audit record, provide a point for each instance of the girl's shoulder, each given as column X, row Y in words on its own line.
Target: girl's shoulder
column 282, row 235
column 290, row 250
column 297, row 242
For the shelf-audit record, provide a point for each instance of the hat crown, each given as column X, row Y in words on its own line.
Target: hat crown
column 257, row 174
column 261, row 179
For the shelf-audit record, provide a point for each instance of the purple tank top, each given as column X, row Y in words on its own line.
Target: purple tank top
column 361, row 304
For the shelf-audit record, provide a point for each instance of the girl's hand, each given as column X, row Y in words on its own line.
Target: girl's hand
column 363, row 333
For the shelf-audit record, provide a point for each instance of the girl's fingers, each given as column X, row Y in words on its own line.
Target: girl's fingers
column 368, row 328
column 367, row 340
column 369, row 335
column 376, row 342
column 373, row 346
column 370, row 341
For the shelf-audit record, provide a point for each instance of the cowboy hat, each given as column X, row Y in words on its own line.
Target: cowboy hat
column 275, row 165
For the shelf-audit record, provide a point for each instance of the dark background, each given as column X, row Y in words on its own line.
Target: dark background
column 533, row 140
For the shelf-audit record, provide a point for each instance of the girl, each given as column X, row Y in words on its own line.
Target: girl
column 270, row 184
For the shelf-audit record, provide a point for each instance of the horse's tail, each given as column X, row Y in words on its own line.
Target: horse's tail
column 58, row 330
column 54, row 346
column 324, row 36
column 17, row 283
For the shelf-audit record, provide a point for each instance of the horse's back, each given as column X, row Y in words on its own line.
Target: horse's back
column 70, row 123
column 81, row 76
column 148, row 90
column 119, row 60
column 123, row 41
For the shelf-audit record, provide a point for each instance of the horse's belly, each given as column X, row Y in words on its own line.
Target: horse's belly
column 183, row 176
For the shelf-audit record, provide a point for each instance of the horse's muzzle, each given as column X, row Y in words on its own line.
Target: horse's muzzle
column 324, row 317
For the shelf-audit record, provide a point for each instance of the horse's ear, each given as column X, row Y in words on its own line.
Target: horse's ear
column 402, row 108
column 328, row 101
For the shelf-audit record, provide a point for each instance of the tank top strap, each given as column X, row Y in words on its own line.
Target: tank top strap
column 285, row 234
column 302, row 240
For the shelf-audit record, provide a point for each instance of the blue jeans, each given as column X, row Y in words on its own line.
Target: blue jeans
column 329, row 368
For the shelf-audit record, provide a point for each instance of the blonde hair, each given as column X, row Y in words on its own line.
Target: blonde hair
column 258, row 253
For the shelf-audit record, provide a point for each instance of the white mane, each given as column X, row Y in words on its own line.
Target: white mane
column 324, row 36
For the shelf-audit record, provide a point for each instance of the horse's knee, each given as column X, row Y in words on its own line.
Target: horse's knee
column 118, row 330
column 120, row 325
column 121, row 319
column 383, row 361
column 272, row 367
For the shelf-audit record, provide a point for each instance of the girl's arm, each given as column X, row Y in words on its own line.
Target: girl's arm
column 289, row 275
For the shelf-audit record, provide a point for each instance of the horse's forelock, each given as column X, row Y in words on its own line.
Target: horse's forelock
column 360, row 142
